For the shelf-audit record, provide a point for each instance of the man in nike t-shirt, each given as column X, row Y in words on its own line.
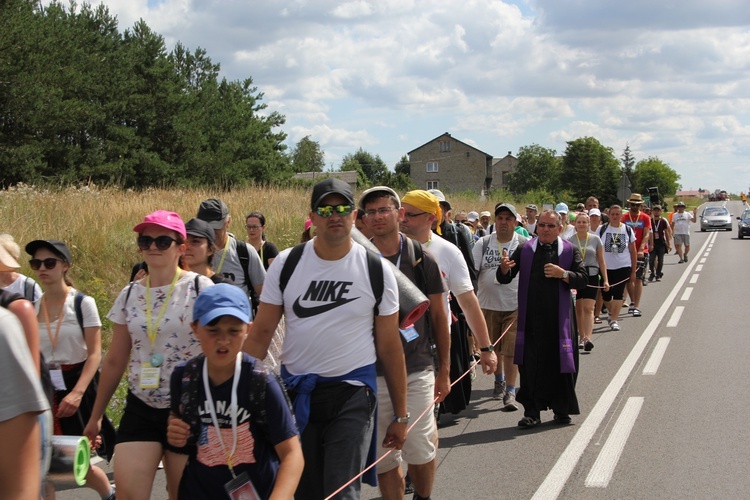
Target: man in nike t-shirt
column 333, row 337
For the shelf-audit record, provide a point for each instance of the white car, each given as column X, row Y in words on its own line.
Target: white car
column 716, row 218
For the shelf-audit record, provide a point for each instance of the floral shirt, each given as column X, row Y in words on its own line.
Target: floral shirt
column 174, row 340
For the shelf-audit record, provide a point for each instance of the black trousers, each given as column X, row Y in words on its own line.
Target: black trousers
column 660, row 249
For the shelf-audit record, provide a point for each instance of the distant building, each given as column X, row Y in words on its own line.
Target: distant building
column 447, row 163
column 702, row 193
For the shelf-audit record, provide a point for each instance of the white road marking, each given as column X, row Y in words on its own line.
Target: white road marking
column 606, row 462
column 656, row 356
column 699, row 268
column 703, row 260
column 705, row 254
column 686, row 295
column 568, row 460
column 675, row 319
column 694, row 279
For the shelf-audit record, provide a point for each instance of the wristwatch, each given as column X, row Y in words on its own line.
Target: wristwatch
column 402, row 420
column 565, row 274
column 489, row 348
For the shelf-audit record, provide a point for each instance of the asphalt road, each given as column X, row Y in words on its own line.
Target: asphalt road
column 663, row 402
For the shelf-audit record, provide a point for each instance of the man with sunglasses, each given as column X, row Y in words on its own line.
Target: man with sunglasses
column 641, row 225
column 335, row 331
column 229, row 257
column 548, row 268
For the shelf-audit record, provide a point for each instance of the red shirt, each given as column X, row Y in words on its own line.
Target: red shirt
column 638, row 224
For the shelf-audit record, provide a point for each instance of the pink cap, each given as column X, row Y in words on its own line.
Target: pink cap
column 162, row 218
column 308, row 224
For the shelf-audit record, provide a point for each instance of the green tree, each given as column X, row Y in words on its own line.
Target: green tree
column 370, row 169
column 538, row 168
column 652, row 172
column 307, row 156
column 628, row 162
column 403, row 166
column 589, row 168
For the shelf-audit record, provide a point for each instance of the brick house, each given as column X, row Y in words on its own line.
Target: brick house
column 501, row 167
column 446, row 163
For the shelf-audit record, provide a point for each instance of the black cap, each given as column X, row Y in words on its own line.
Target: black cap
column 507, row 207
column 201, row 229
column 57, row 247
column 214, row 211
column 328, row 186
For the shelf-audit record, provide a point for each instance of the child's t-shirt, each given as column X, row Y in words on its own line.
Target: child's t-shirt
column 207, row 472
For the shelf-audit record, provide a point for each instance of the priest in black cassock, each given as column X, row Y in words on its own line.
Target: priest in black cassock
column 547, row 267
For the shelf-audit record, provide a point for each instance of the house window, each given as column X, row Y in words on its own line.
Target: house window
column 432, row 185
column 432, row 166
column 445, row 146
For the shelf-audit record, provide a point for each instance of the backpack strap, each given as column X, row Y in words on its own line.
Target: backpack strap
column 485, row 245
column 290, row 264
column 244, row 256
column 29, row 289
column 77, row 304
column 375, row 269
column 197, row 284
column 127, row 295
column 602, row 229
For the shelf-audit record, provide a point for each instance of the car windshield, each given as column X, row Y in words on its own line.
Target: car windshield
column 746, row 214
column 714, row 211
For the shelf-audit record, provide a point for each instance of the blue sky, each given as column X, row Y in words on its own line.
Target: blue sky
column 671, row 78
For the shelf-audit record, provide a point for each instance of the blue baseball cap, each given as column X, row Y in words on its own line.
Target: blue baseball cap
column 561, row 208
column 221, row 300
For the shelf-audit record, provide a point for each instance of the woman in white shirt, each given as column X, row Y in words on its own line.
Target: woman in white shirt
column 72, row 350
column 151, row 335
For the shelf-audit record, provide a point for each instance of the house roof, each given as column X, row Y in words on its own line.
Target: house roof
column 446, row 134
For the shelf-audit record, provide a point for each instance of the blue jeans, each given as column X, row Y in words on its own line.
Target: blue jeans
column 336, row 441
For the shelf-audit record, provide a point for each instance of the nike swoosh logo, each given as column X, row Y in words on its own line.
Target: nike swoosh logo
column 307, row 312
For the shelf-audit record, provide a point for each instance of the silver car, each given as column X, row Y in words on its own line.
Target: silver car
column 716, row 218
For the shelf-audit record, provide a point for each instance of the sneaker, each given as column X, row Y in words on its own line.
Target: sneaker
column 685, row 258
column 588, row 345
column 580, row 344
column 636, row 312
column 680, row 261
column 509, row 401
column 632, row 309
column 499, row 390
column 614, row 326
column 651, row 277
column 529, row 422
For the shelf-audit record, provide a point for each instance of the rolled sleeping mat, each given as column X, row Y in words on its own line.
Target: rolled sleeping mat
column 71, row 459
column 412, row 302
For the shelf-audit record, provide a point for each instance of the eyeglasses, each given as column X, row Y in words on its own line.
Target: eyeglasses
column 549, row 225
column 252, row 226
column 49, row 263
column 328, row 210
column 162, row 242
column 379, row 211
column 412, row 216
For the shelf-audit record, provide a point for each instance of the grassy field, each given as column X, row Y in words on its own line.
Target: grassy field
column 97, row 225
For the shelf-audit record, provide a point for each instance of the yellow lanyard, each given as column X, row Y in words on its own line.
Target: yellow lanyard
column 152, row 329
column 583, row 250
column 53, row 340
column 223, row 255
column 261, row 252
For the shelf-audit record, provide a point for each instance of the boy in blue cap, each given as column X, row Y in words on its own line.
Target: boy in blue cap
column 256, row 449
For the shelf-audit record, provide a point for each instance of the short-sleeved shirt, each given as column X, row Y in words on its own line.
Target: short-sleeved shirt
column 660, row 226
column 681, row 222
column 487, row 256
column 617, row 242
column 19, row 287
column 588, row 248
column 329, row 311
column 453, row 267
column 639, row 225
column 232, row 269
column 207, row 472
column 267, row 252
column 174, row 340
column 21, row 391
column 418, row 352
column 70, row 347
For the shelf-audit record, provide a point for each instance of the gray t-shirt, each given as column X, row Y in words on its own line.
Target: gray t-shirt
column 231, row 268
column 21, row 391
column 588, row 248
column 487, row 256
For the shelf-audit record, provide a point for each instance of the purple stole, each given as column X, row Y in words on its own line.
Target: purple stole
column 565, row 259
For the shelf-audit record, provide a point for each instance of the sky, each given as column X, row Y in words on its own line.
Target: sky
column 669, row 78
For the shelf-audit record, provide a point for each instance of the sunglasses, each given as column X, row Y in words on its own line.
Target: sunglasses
column 549, row 225
column 252, row 226
column 328, row 210
column 49, row 263
column 162, row 242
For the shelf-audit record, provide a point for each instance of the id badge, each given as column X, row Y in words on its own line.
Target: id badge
column 149, row 376
column 409, row 333
column 241, row 488
column 56, row 375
